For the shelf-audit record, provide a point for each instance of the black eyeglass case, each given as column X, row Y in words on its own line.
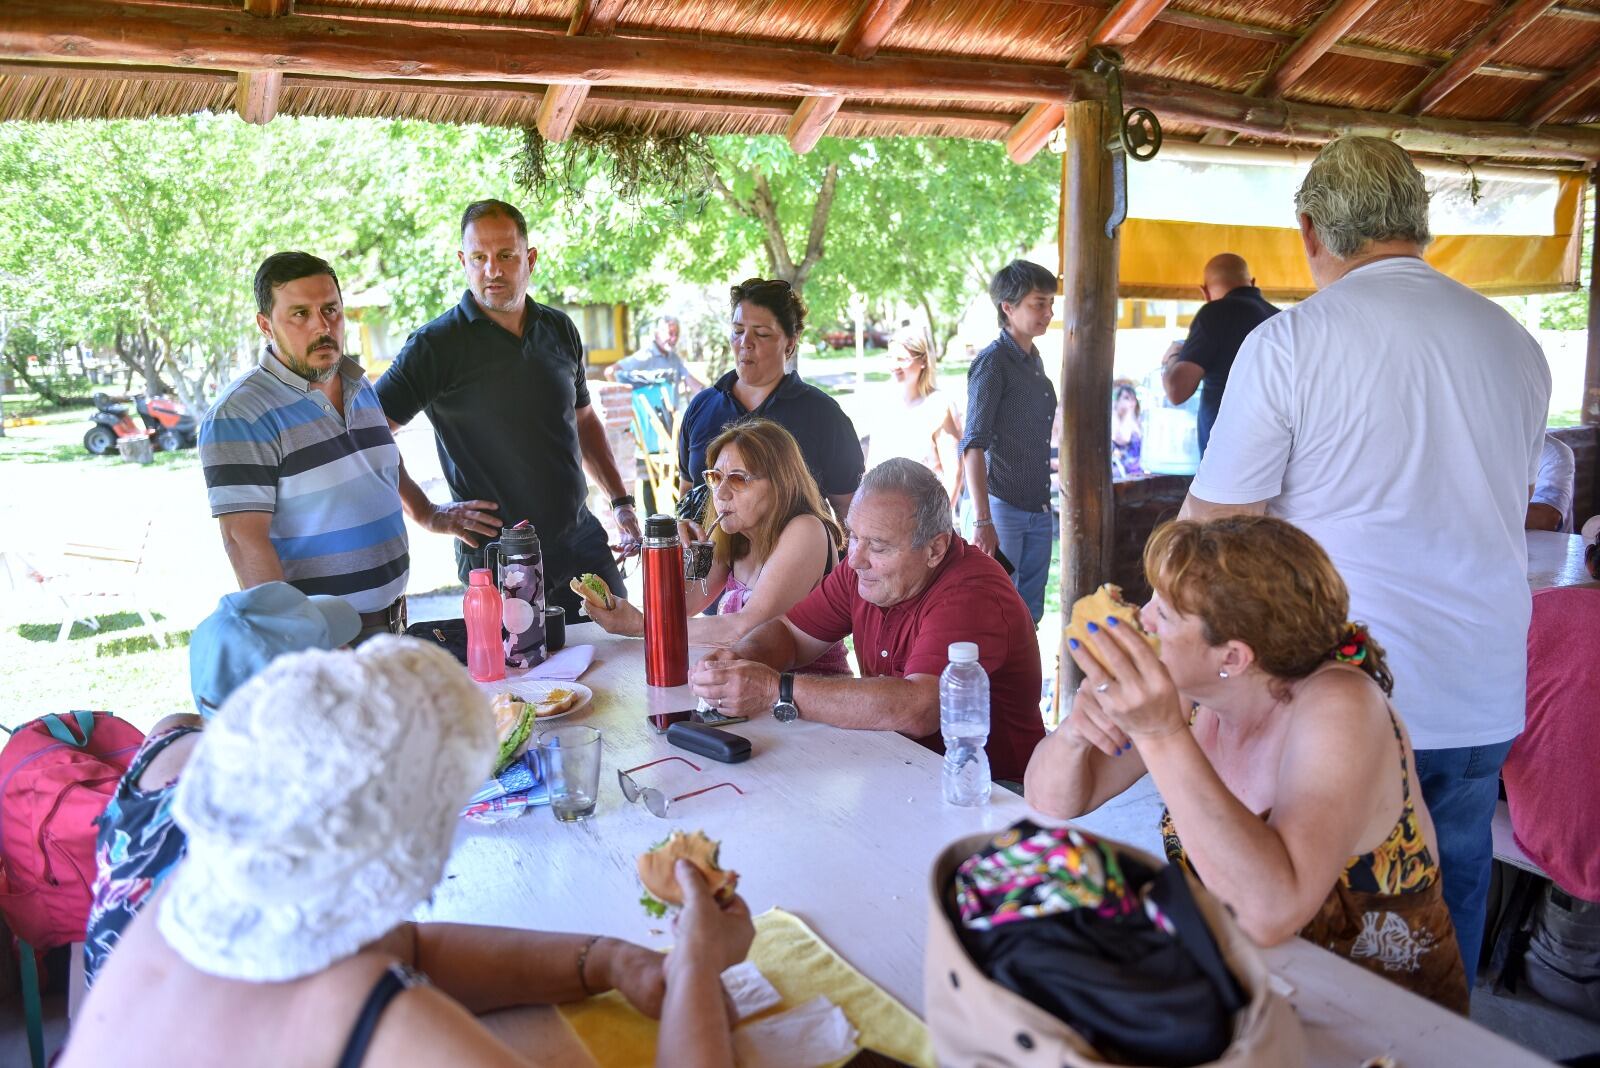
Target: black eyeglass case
column 710, row 742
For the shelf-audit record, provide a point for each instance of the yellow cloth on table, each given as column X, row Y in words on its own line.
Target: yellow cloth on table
column 801, row 966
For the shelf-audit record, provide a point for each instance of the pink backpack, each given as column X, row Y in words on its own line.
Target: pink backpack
column 55, row 781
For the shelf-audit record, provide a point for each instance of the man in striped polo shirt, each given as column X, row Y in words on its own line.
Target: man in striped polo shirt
column 300, row 466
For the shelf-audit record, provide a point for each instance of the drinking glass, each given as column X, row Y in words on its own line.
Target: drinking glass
column 569, row 758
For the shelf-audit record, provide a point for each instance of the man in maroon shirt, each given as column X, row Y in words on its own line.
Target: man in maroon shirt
column 912, row 587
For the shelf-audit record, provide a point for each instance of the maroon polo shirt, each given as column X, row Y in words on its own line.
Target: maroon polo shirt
column 969, row 599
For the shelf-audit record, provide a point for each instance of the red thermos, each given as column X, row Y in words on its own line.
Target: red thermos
column 666, row 626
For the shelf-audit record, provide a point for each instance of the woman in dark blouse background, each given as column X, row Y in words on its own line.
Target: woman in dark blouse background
column 1011, row 406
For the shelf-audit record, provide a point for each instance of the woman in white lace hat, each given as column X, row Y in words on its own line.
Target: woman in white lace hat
column 320, row 804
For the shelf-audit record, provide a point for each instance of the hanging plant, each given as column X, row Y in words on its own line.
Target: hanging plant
column 641, row 166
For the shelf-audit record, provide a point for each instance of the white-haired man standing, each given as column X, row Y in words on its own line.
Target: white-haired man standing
column 1397, row 417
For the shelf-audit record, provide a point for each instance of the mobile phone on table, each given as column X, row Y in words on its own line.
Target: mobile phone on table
column 662, row 720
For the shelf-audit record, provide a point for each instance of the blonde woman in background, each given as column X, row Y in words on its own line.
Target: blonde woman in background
column 923, row 422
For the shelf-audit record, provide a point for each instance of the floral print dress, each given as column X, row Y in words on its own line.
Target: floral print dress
column 1387, row 911
column 137, row 847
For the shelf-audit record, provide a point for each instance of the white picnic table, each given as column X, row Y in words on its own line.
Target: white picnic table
column 1555, row 559
column 841, row 828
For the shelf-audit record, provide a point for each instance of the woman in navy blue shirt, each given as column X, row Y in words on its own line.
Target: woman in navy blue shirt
column 767, row 319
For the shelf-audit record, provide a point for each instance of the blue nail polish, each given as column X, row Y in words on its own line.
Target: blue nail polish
column 1072, row 643
column 1111, row 621
column 1093, row 627
column 1118, row 752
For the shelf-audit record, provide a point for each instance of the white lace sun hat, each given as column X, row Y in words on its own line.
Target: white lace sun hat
column 320, row 804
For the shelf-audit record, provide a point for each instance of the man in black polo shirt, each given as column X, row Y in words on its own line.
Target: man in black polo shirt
column 1234, row 307
column 501, row 378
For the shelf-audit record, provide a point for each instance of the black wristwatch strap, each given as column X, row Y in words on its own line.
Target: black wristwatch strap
column 624, row 501
column 786, row 687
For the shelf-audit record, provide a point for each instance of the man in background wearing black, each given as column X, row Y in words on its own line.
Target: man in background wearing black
column 1234, row 307
column 502, row 380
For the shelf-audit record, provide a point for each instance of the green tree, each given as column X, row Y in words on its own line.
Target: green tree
column 924, row 221
column 140, row 238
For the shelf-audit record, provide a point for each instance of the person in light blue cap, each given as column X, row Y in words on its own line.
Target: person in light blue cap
column 138, row 843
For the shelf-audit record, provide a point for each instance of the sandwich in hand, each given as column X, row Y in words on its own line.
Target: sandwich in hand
column 658, row 871
column 1106, row 603
column 593, row 589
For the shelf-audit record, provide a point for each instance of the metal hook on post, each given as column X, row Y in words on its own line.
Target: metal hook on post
column 1137, row 133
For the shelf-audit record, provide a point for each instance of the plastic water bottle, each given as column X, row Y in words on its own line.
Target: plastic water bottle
column 486, row 655
column 964, row 722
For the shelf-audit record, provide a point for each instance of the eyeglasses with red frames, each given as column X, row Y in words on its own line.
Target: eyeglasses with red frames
column 654, row 800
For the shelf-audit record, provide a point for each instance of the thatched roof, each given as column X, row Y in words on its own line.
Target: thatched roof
column 1533, row 61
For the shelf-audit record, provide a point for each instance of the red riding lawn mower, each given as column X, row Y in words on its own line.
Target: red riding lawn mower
column 166, row 420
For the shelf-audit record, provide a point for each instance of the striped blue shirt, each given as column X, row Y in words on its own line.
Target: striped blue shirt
column 274, row 443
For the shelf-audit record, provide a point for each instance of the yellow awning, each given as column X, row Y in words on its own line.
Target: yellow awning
column 1501, row 231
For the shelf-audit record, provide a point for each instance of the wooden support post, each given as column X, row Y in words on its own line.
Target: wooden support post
column 1089, row 327
column 1591, row 369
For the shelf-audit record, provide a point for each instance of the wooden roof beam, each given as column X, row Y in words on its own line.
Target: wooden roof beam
column 1186, row 102
column 1120, row 27
column 1312, row 46
column 132, row 33
column 1544, row 107
column 102, row 32
column 558, row 111
column 1501, row 29
column 255, row 96
column 1301, row 56
column 1251, row 31
column 874, row 19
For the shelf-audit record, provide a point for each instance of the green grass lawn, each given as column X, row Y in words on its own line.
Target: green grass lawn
column 121, row 669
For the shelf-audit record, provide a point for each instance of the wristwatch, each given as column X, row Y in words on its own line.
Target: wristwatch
column 785, row 711
column 624, row 501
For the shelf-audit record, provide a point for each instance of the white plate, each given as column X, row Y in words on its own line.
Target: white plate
column 535, row 689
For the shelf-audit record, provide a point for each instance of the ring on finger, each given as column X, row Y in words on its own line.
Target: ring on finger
column 1102, row 688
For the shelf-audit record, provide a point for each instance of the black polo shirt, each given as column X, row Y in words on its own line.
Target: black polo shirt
column 503, row 409
column 1219, row 328
column 826, row 435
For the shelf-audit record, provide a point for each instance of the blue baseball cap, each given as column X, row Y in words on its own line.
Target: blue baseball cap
column 252, row 628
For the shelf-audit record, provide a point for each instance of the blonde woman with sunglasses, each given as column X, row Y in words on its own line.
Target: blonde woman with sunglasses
column 772, row 537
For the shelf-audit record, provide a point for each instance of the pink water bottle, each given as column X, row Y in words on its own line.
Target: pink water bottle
column 486, row 656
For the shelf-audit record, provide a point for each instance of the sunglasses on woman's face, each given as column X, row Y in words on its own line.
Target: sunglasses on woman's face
column 656, row 802
column 736, row 480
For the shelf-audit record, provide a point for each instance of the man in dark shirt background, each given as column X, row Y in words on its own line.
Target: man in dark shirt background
column 502, row 380
column 1234, row 307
